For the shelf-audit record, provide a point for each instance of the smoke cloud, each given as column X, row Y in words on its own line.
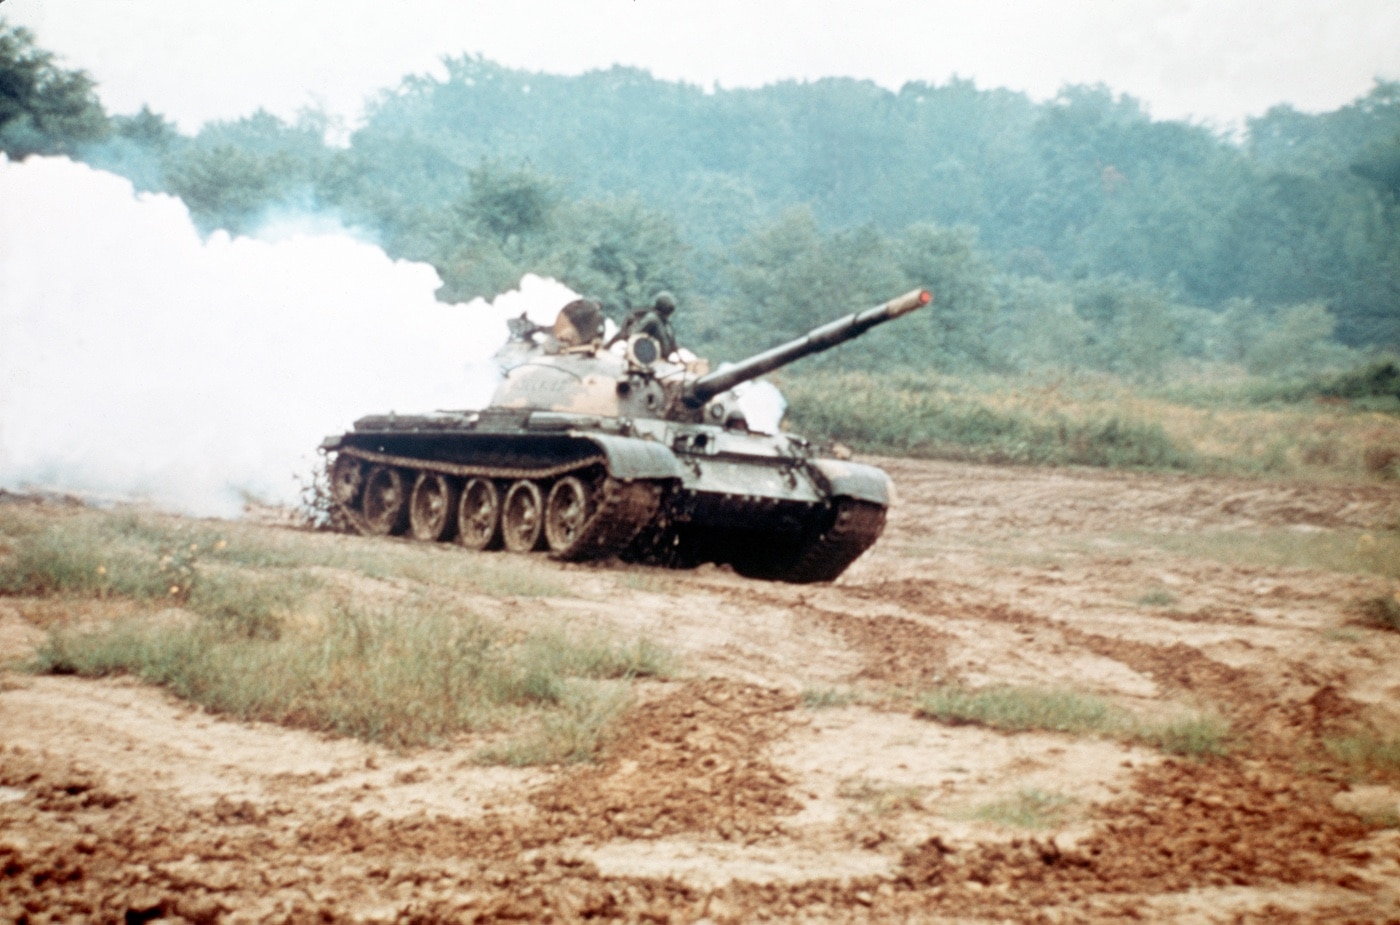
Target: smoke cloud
column 141, row 362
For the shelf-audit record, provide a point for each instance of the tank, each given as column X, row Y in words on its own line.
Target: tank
column 590, row 451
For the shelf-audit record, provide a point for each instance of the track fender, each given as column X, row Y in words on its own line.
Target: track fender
column 855, row 480
column 630, row 458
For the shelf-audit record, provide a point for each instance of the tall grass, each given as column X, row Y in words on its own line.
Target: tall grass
column 144, row 556
column 1021, row 709
column 1204, row 426
column 275, row 626
column 897, row 415
column 402, row 676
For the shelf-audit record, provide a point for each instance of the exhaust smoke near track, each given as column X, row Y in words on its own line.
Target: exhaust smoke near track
column 139, row 361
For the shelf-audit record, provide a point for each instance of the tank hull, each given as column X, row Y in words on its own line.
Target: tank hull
column 670, row 493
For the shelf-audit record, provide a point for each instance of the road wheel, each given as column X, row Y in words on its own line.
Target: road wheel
column 522, row 520
column 565, row 513
column 432, row 509
column 347, row 481
column 385, row 503
column 479, row 515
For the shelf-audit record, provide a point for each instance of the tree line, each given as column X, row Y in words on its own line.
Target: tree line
column 1078, row 231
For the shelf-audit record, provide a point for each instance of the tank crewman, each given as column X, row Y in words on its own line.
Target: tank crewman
column 654, row 321
column 579, row 323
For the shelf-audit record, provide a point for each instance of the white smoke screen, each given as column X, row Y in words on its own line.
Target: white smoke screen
column 763, row 405
column 141, row 362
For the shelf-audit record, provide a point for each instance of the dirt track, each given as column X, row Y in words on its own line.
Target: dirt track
column 730, row 796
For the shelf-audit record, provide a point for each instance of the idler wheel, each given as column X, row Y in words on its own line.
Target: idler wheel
column 347, row 480
column 432, row 509
column 522, row 517
column 385, row 504
column 479, row 515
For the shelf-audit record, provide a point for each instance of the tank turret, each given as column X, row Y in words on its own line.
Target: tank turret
column 593, row 451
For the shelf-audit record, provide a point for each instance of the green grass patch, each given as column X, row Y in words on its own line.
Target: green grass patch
column 80, row 555
column 1157, row 597
column 903, row 415
column 149, row 557
column 576, row 731
column 818, row 698
column 1016, row 709
column 880, row 798
column 1198, row 424
column 1023, row 709
column 259, row 624
column 1374, row 552
column 1367, row 752
column 1204, row 735
column 403, row 676
column 1028, row 809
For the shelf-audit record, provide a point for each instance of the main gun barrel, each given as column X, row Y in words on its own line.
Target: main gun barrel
column 814, row 341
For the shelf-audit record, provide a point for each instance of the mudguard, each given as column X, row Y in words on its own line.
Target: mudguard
column 856, row 480
column 629, row 458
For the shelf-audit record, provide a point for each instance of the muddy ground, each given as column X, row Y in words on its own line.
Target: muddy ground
column 784, row 773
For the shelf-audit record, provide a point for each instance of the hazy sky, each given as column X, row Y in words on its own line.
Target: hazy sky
column 1214, row 61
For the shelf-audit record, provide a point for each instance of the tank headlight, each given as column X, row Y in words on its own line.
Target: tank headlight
column 643, row 350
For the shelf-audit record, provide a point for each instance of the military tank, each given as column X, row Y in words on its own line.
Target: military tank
column 591, row 451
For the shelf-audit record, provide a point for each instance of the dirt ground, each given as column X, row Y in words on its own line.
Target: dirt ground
column 784, row 774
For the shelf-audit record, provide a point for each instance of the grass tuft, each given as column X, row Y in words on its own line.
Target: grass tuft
column 1367, row 752
column 817, row 698
column 1205, row 735
column 574, row 733
column 1021, row 709
column 1157, row 597
column 1016, row 709
column 880, row 798
column 1028, row 809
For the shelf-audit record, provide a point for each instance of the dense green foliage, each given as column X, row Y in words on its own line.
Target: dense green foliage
column 44, row 109
column 1077, row 232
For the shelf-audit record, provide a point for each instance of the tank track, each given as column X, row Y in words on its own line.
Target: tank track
column 623, row 509
column 854, row 527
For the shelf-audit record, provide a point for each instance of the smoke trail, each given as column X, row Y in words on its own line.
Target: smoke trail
column 139, row 361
